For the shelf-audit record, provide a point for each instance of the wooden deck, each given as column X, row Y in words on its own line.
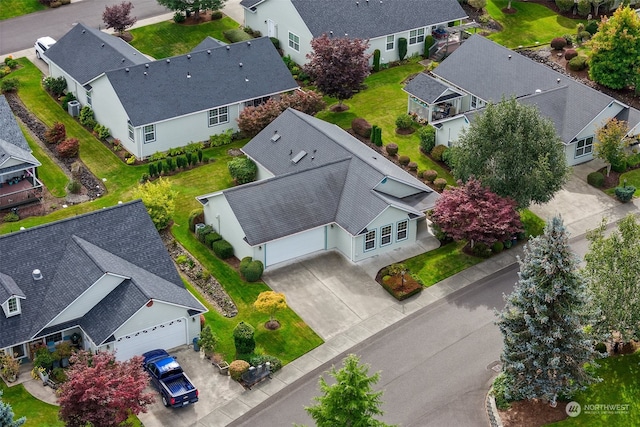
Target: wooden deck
column 20, row 193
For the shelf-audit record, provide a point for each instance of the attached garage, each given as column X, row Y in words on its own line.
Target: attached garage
column 295, row 246
column 165, row 335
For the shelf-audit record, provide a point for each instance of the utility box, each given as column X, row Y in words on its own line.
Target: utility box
column 73, row 107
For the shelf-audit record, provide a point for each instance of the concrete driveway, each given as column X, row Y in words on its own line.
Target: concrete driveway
column 215, row 391
column 329, row 293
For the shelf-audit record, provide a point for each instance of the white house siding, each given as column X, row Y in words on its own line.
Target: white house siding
column 73, row 86
column 286, row 19
column 92, row 296
column 450, row 130
column 338, row 238
column 159, row 312
column 228, row 227
column 180, row 131
column 387, row 56
column 391, row 216
column 396, row 188
column 263, row 173
column 109, row 112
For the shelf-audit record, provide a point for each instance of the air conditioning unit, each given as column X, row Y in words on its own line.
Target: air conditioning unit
column 73, row 107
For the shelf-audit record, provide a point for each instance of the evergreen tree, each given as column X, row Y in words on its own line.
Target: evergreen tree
column 543, row 323
column 6, row 415
column 349, row 402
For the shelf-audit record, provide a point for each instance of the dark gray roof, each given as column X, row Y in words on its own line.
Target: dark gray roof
column 430, row 90
column 84, row 53
column 73, row 253
column 12, row 141
column 208, row 43
column 491, row 72
column 337, row 181
column 631, row 116
column 369, row 19
column 201, row 80
column 8, row 288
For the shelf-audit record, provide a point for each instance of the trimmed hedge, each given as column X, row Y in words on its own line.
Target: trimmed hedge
column 243, row 337
column 237, row 368
column 236, row 35
column 429, row 175
column 595, row 179
column 558, row 43
column 392, row 149
column 438, row 151
column 578, row 63
column 427, row 136
column 361, row 127
column 222, row 249
column 404, row 160
column 570, row 54
column 211, row 238
column 251, row 269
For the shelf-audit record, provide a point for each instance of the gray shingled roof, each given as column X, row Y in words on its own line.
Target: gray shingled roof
column 12, row 141
column 374, row 18
column 491, row 72
column 201, row 80
column 8, row 288
column 428, row 89
column 335, row 182
column 208, row 43
column 85, row 53
column 73, row 253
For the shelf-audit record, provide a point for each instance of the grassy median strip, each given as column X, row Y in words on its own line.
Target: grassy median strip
column 49, row 173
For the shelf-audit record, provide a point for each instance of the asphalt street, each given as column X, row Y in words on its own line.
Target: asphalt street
column 21, row 33
column 435, row 364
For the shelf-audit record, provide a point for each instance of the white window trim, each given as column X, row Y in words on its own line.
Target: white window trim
column 417, row 36
column 131, row 131
column 393, row 43
column 584, row 153
column 145, row 133
column 293, row 43
column 373, row 239
column 382, row 235
column 406, row 230
column 17, row 307
column 218, row 114
column 89, row 101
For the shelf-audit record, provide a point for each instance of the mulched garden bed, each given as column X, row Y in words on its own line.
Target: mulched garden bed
column 400, row 288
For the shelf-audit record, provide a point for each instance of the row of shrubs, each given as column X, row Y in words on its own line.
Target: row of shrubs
column 244, row 340
column 64, row 147
column 623, row 193
column 9, row 65
column 179, row 17
column 54, row 3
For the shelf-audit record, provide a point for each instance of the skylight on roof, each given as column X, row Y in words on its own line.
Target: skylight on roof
column 299, row 156
column 275, row 137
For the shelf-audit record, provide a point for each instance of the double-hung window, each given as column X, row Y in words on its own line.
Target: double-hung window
column 391, row 42
column 416, row 36
column 149, row 133
column 370, row 240
column 294, row 42
column 131, row 134
column 385, row 235
column 218, row 115
column 402, row 230
column 584, row 146
column 88, row 93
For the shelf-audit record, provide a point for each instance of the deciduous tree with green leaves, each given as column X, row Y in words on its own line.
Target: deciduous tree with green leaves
column 515, row 151
column 615, row 57
column 350, row 402
column 194, row 6
column 159, row 199
column 546, row 346
column 612, row 141
column 613, row 273
column 270, row 302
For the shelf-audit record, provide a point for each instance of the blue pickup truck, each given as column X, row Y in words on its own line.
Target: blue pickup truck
column 169, row 379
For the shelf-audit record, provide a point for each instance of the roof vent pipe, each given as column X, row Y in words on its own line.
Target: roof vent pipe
column 188, row 56
column 228, row 47
column 208, row 52
column 168, row 61
column 509, row 56
column 558, row 80
column 241, row 64
column 37, row 274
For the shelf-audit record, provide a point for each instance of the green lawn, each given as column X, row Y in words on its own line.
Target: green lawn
column 49, row 173
column 167, row 38
column 433, row 266
column 620, row 385
column 533, row 24
column 38, row 413
column 13, row 8
column 380, row 104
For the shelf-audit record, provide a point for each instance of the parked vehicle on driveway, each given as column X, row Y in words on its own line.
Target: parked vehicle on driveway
column 167, row 376
column 42, row 45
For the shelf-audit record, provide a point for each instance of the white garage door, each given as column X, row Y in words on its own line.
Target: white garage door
column 166, row 335
column 295, row 246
